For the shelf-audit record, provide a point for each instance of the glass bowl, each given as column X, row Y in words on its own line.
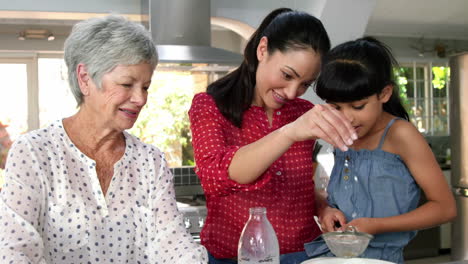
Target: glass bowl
column 347, row 244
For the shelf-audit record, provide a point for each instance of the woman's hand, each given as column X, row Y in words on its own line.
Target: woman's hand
column 332, row 219
column 325, row 122
column 365, row 224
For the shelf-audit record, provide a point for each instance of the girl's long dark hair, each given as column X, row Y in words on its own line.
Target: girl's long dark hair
column 285, row 29
column 358, row 69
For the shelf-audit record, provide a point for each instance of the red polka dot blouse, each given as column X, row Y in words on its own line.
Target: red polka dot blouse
column 286, row 189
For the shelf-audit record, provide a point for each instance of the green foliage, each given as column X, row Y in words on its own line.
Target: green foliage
column 440, row 75
column 164, row 119
column 402, row 82
column 425, row 100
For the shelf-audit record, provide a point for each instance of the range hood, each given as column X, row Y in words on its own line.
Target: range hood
column 181, row 30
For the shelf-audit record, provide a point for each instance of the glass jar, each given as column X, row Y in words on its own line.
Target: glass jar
column 258, row 242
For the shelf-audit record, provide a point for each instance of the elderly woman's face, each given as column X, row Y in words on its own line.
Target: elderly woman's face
column 123, row 95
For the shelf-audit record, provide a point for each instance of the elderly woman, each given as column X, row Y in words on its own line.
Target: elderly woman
column 83, row 190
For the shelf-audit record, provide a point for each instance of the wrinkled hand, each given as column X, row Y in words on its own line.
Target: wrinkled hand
column 365, row 224
column 325, row 122
column 332, row 219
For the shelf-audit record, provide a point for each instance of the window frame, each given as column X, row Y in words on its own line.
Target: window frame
column 31, row 59
column 429, row 98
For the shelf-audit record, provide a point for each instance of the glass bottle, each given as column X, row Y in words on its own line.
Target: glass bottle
column 258, row 242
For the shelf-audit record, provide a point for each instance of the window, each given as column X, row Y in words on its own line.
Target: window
column 14, row 73
column 424, row 89
column 14, row 99
column 36, row 93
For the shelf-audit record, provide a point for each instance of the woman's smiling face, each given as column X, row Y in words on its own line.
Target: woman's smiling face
column 123, row 94
column 283, row 76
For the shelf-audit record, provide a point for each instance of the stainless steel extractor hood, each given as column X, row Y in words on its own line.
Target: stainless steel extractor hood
column 181, row 30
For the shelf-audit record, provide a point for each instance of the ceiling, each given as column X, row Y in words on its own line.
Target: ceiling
column 437, row 19
column 396, row 18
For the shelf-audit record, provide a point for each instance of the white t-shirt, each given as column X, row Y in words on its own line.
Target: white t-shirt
column 52, row 209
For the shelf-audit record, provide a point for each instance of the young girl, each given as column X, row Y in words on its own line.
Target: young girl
column 375, row 185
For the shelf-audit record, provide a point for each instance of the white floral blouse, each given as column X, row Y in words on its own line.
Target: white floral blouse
column 52, row 209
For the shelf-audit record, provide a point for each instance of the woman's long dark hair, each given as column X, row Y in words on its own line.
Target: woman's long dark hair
column 285, row 29
column 358, row 69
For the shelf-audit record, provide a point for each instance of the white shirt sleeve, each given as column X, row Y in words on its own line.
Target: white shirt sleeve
column 20, row 207
column 172, row 242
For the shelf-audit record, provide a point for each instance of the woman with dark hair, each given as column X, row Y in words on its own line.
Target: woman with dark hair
column 375, row 184
column 253, row 137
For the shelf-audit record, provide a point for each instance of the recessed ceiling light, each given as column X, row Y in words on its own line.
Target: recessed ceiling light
column 36, row 34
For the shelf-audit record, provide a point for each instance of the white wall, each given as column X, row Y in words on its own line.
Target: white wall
column 228, row 40
column 346, row 20
column 253, row 11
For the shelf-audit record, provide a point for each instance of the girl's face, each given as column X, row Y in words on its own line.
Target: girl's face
column 365, row 115
column 123, row 94
column 283, row 76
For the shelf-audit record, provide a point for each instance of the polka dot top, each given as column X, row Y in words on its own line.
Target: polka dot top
column 286, row 189
column 53, row 209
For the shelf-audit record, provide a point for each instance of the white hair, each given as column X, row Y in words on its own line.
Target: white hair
column 103, row 43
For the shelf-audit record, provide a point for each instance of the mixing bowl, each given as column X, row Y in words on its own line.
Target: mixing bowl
column 347, row 244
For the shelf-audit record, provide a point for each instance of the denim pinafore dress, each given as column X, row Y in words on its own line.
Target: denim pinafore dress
column 371, row 183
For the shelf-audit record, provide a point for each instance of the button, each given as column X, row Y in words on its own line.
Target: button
column 278, row 113
column 278, row 173
column 346, row 170
column 347, row 158
column 346, row 177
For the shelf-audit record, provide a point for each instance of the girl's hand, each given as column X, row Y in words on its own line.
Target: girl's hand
column 325, row 122
column 365, row 224
column 332, row 219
